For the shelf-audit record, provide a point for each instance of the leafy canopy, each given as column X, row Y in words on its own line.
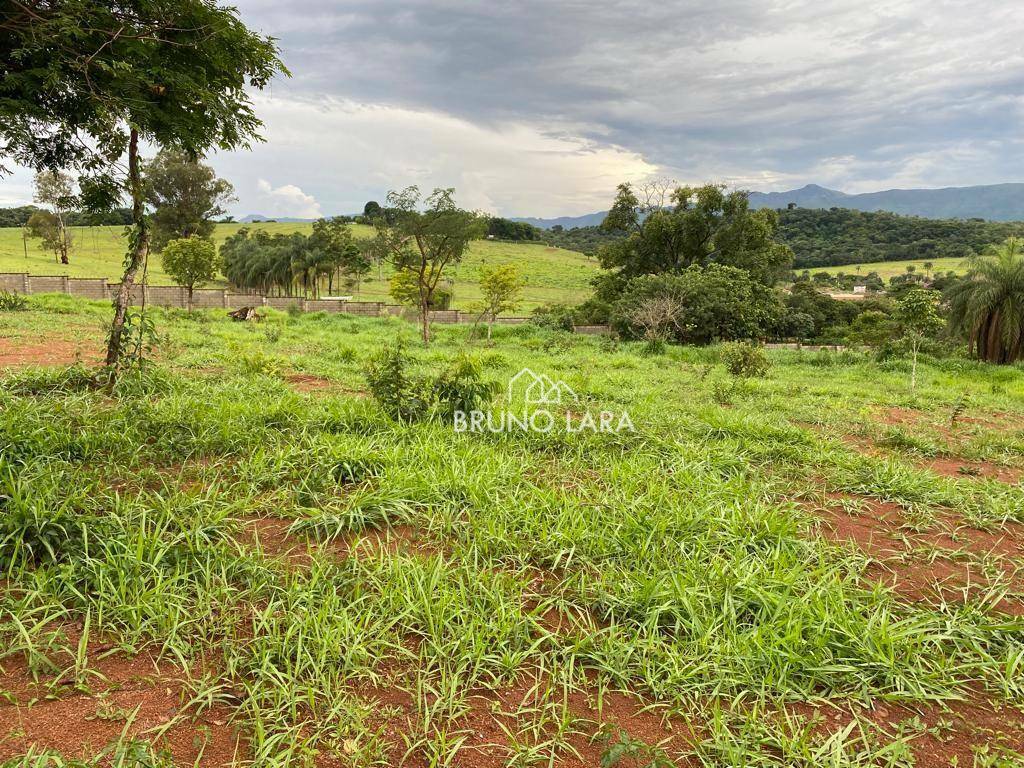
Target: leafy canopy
column 190, row 261
column 988, row 305
column 668, row 229
column 77, row 73
column 186, row 196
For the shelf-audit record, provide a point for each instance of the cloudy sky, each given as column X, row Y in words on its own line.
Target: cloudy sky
column 540, row 107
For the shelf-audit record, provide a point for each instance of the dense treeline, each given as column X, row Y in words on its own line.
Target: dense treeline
column 838, row 236
column 828, row 238
column 586, row 240
column 19, row 216
column 294, row 264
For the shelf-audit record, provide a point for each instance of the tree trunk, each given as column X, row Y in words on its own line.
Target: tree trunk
column 490, row 322
column 188, row 308
column 139, row 248
column 425, row 317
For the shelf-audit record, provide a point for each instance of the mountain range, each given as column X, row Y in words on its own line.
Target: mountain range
column 996, row 202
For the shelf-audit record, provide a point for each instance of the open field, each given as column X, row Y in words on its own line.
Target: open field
column 237, row 556
column 552, row 274
column 887, row 269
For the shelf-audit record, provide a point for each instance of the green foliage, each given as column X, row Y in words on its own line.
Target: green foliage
column 667, row 230
column 461, row 387
column 399, row 393
column 871, row 329
column 191, row 262
column 555, row 317
column 500, row 287
column 987, row 307
column 839, row 236
column 186, row 196
column 12, row 302
column 918, row 317
column 503, row 229
column 717, row 303
column 293, row 264
column 407, row 396
column 177, row 72
column 744, row 360
column 426, row 242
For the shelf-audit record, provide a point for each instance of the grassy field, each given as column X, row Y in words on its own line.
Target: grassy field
column 237, row 556
column 552, row 275
column 887, row 269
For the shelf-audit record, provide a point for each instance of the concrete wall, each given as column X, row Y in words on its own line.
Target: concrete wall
column 217, row 298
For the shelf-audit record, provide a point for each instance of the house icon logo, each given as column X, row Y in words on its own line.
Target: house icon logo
column 538, row 389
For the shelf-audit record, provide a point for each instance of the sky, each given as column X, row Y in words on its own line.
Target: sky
column 540, row 107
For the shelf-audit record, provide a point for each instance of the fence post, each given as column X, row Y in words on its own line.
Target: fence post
column 65, row 284
column 26, row 282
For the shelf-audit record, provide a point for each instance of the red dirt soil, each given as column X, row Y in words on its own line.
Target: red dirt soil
column 925, row 565
column 17, row 353
column 53, row 714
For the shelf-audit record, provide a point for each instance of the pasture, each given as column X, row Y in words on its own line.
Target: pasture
column 887, row 269
column 236, row 556
column 553, row 275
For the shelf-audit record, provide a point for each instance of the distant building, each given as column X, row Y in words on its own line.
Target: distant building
column 860, row 289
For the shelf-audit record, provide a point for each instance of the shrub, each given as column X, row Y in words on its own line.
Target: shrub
column 461, row 388
column 397, row 392
column 716, row 303
column 12, row 302
column 555, row 317
column 745, row 360
column 408, row 397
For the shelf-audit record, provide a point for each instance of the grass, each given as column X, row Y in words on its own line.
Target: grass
column 887, row 269
column 553, row 275
column 681, row 560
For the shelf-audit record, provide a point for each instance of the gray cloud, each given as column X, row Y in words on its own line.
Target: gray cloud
column 529, row 104
column 764, row 92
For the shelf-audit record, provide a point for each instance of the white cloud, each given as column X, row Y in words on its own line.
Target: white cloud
column 350, row 152
column 287, row 200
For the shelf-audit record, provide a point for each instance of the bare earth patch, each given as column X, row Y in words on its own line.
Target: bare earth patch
column 137, row 692
column 945, row 561
column 21, row 352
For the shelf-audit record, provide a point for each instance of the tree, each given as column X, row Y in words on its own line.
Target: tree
column 372, row 209
column 426, row 242
column 987, row 305
column 870, row 329
column 717, row 303
column 190, row 262
column 186, row 196
column 500, row 287
column 918, row 318
column 84, row 82
column 56, row 190
column 668, row 228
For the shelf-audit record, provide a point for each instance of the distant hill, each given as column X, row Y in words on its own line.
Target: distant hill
column 254, row 217
column 995, row 202
column 566, row 222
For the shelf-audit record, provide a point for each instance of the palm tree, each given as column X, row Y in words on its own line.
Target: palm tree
column 987, row 306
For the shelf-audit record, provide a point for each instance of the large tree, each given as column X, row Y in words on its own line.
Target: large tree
column 425, row 236
column 987, row 306
column 85, row 83
column 668, row 228
column 186, row 196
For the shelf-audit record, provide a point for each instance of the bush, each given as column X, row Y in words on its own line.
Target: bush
column 717, row 303
column 745, row 360
column 397, row 392
column 461, row 388
column 555, row 317
column 408, row 397
column 12, row 302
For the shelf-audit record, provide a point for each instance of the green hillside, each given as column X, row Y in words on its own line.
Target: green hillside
column 887, row 269
column 551, row 274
